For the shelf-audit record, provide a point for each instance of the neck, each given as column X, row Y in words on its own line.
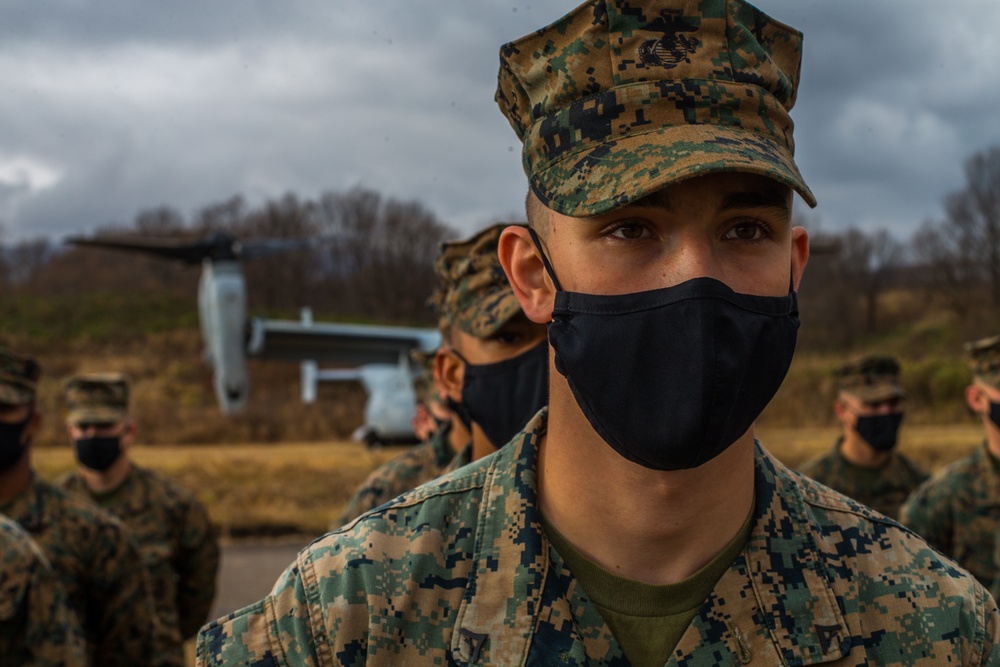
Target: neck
column 106, row 481
column 481, row 445
column 458, row 436
column 860, row 453
column 16, row 479
column 652, row 526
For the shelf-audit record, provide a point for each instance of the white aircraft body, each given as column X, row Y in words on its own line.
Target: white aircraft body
column 377, row 356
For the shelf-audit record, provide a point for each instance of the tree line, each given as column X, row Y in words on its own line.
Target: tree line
column 370, row 257
column 372, row 260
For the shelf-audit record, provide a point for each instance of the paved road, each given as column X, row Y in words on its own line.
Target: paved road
column 248, row 571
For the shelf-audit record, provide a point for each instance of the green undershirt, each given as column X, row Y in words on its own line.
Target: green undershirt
column 647, row 620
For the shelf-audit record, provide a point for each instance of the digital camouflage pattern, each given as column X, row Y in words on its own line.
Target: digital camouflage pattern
column 37, row 627
column 97, row 398
column 18, row 378
column 958, row 512
column 618, row 99
column 870, row 378
column 98, row 567
column 179, row 550
column 984, row 359
column 883, row 488
column 409, row 470
column 459, row 572
column 473, row 293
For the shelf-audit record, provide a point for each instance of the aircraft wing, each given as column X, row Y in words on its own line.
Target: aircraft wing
column 340, row 344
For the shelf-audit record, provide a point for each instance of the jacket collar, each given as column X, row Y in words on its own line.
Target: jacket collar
column 781, row 568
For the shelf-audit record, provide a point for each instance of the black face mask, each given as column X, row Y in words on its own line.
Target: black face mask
column 98, row 453
column 502, row 397
column 670, row 378
column 879, row 431
column 11, row 447
column 995, row 413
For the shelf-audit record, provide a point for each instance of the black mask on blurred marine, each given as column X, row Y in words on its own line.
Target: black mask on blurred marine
column 880, row 431
column 670, row 378
column 995, row 413
column 98, row 453
column 502, row 397
column 11, row 447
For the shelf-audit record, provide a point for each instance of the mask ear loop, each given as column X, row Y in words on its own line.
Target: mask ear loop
column 545, row 260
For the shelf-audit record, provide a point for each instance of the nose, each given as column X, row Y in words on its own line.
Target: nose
column 694, row 256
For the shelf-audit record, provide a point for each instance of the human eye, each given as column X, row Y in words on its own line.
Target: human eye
column 630, row 230
column 507, row 337
column 750, row 230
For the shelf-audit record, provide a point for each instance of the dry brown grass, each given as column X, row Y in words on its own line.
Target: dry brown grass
column 272, row 489
column 266, row 489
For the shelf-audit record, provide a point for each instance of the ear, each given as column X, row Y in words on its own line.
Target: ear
column 523, row 265
column 449, row 373
column 977, row 400
column 800, row 254
column 843, row 412
column 128, row 437
column 34, row 424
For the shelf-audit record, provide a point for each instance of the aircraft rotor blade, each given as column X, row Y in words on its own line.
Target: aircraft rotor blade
column 220, row 246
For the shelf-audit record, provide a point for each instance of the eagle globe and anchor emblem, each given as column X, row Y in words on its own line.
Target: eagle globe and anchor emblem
column 673, row 47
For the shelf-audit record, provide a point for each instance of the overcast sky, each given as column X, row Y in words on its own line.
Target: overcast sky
column 115, row 106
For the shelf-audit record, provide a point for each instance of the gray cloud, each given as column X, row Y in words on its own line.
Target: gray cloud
column 117, row 106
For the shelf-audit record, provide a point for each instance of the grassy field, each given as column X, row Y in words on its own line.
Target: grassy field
column 276, row 489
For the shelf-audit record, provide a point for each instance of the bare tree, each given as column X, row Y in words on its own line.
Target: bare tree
column 381, row 263
column 949, row 256
column 869, row 262
column 973, row 213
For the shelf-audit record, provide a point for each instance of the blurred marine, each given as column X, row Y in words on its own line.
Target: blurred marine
column 864, row 463
column 168, row 523
column 958, row 509
column 37, row 626
column 89, row 550
column 490, row 372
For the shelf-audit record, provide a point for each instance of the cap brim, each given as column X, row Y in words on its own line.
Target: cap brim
column 616, row 173
column 13, row 395
column 878, row 393
column 96, row 415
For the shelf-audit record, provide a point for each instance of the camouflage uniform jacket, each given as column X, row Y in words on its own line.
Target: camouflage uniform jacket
column 99, row 568
column 883, row 490
column 409, row 470
column 958, row 512
column 459, row 572
column 172, row 530
column 37, row 627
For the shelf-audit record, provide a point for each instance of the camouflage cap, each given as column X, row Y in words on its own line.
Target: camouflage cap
column 18, row 378
column 871, row 378
column 618, row 99
column 97, row 398
column 424, row 387
column 473, row 293
column 984, row 359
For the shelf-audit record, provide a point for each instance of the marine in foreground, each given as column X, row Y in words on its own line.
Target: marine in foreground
column 636, row 521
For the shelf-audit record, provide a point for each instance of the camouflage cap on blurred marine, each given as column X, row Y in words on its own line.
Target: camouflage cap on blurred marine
column 18, row 378
column 97, row 398
column 984, row 359
column 619, row 99
column 871, row 378
column 473, row 292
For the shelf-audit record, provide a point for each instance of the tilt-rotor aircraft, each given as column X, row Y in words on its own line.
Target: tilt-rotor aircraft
column 377, row 356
